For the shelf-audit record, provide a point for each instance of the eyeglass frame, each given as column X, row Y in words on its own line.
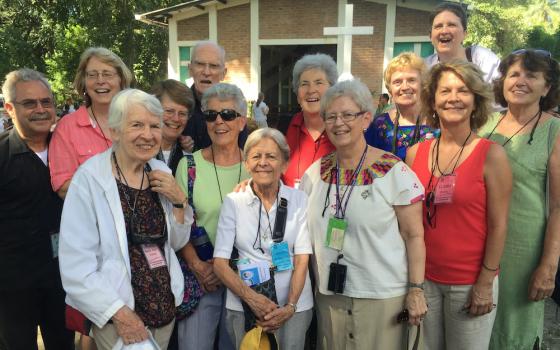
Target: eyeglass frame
column 540, row 52
column 105, row 74
column 213, row 67
column 346, row 117
column 171, row 112
column 35, row 102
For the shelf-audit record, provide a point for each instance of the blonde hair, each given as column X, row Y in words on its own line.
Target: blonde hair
column 404, row 61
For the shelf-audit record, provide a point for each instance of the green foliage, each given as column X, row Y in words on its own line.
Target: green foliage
column 51, row 35
column 506, row 25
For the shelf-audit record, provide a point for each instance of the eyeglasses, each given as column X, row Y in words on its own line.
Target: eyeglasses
column 203, row 65
column 431, row 208
column 106, row 75
column 539, row 52
column 138, row 238
column 32, row 104
column 170, row 113
column 344, row 116
column 226, row 114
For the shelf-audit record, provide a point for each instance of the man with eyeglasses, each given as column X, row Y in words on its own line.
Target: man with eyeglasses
column 207, row 68
column 31, row 293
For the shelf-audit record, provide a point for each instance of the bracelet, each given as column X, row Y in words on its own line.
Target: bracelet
column 416, row 285
column 294, row 306
column 489, row 269
column 180, row 205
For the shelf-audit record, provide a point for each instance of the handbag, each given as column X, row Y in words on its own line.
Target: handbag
column 76, row 321
column 268, row 289
column 193, row 292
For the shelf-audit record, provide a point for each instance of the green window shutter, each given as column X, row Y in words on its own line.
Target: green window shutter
column 184, row 59
column 427, row 49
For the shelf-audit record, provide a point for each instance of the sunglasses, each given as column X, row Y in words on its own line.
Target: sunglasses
column 32, row 104
column 138, row 238
column 539, row 52
column 227, row 115
column 431, row 208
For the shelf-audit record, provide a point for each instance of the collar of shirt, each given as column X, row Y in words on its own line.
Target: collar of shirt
column 17, row 145
column 252, row 198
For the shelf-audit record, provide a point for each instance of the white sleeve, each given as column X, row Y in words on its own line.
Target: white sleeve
column 401, row 186
column 302, row 244
column 85, row 278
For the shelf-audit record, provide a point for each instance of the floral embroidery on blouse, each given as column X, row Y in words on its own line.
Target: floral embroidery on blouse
column 366, row 176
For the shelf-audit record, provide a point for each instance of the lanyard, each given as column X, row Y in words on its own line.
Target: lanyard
column 340, row 207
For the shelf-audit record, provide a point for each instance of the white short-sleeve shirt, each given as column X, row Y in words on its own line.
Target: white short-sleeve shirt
column 373, row 250
column 238, row 224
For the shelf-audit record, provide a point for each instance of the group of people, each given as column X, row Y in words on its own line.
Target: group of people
column 437, row 213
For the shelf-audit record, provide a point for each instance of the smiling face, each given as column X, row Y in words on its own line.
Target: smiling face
column 175, row 118
column 265, row 163
column 313, row 84
column 405, row 87
column 454, row 101
column 447, row 34
column 206, row 67
column 222, row 132
column 140, row 137
column 101, row 88
column 346, row 134
column 523, row 87
column 32, row 122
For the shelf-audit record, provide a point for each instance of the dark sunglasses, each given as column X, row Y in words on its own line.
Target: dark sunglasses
column 137, row 237
column 431, row 208
column 539, row 52
column 227, row 115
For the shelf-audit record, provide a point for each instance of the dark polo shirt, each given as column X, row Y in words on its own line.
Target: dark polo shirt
column 29, row 212
column 196, row 128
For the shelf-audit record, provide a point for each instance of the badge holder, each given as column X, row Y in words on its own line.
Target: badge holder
column 445, row 189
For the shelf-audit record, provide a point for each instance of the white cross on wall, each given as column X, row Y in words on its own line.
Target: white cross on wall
column 345, row 38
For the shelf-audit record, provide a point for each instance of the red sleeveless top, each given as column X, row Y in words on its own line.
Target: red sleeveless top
column 455, row 246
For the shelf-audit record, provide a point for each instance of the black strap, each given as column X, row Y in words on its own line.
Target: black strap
column 280, row 221
column 468, row 53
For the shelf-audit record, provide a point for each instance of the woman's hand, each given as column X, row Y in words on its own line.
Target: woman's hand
column 165, row 184
column 187, row 143
column 129, row 326
column 204, row 273
column 416, row 304
column 542, row 282
column 240, row 187
column 260, row 304
column 276, row 319
column 480, row 300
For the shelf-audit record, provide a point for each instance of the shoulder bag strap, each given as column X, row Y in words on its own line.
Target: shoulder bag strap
column 468, row 52
column 280, row 222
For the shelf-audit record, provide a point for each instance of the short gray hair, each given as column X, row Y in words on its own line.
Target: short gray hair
column 319, row 61
column 220, row 49
column 126, row 99
column 355, row 89
column 267, row 133
column 225, row 92
column 20, row 75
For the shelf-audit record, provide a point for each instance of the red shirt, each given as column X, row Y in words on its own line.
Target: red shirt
column 304, row 150
column 455, row 246
column 74, row 141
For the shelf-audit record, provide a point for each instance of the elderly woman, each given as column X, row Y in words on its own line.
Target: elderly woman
column 123, row 218
column 177, row 101
column 468, row 184
column 218, row 168
column 257, row 209
column 401, row 127
column 80, row 135
column 447, row 32
column 365, row 264
column 528, row 87
column 312, row 76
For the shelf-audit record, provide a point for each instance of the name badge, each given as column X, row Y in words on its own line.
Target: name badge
column 154, row 256
column 54, row 244
column 444, row 189
column 281, row 256
column 335, row 233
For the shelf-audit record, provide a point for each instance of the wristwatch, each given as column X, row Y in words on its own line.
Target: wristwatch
column 180, row 205
column 293, row 306
column 416, row 285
